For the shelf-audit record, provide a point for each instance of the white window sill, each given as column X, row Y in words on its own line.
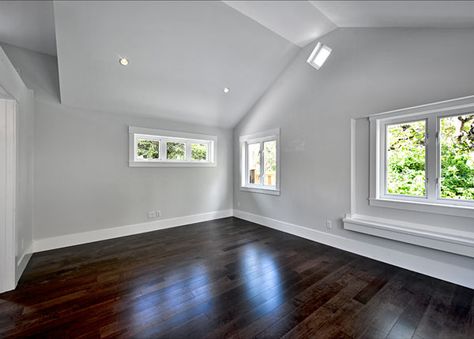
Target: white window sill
column 271, row 191
column 440, row 238
column 424, row 206
column 170, row 164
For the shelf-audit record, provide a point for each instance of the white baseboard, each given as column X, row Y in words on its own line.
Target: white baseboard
column 456, row 274
column 22, row 263
column 45, row 244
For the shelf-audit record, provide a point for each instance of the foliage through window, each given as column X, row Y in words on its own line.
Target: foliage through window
column 199, row 152
column 166, row 148
column 260, row 162
column 406, row 160
column 457, row 157
column 429, row 157
column 175, row 150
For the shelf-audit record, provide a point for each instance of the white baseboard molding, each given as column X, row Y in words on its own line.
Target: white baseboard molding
column 22, row 263
column 463, row 276
column 45, row 244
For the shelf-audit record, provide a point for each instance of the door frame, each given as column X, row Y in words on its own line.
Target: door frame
column 8, row 142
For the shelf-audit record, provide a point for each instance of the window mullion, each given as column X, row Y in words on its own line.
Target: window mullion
column 162, row 149
column 187, row 151
column 431, row 159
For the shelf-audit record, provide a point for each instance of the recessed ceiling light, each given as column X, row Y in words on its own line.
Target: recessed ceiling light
column 226, row 90
column 123, row 61
column 319, row 55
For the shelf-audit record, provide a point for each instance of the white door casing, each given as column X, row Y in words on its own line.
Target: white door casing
column 7, row 193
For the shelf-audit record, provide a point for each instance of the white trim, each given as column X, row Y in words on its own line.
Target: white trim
column 260, row 137
column 454, row 104
column 432, row 267
column 7, row 193
column 45, row 244
column 424, row 206
column 262, row 190
column 453, row 241
column 432, row 202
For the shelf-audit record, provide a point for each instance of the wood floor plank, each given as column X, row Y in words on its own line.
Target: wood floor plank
column 227, row 278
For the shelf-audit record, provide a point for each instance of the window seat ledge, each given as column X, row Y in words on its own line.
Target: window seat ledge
column 424, row 206
column 440, row 238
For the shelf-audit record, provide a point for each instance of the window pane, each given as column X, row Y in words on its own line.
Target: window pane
column 457, row 157
column 405, row 168
column 269, row 161
column 175, row 150
column 147, row 149
column 254, row 163
column 199, row 152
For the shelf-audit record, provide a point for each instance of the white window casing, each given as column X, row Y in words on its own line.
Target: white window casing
column 432, row 201
column 259, row 138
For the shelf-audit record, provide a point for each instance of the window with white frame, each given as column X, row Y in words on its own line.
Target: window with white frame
column 150, row 147
column 424, row 156
column 260, row 162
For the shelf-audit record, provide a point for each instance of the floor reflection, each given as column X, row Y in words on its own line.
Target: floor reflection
column 261, row 277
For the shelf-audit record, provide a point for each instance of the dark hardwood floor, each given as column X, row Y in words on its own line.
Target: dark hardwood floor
column 227, row 278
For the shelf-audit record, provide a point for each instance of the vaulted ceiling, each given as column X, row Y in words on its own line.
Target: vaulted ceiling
column 182, row 54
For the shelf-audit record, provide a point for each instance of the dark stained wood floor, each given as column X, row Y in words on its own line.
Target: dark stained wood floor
column 227, row 278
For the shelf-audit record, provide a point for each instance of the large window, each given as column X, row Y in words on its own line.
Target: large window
column 426, row 157
column 149, row 147
column 260, row 162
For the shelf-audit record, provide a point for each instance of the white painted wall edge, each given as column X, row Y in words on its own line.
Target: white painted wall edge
column 455, row 274
column 45, row 244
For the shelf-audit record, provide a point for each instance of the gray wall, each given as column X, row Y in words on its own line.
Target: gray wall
column 12, row 83
column 369, row 71
column 82, row 178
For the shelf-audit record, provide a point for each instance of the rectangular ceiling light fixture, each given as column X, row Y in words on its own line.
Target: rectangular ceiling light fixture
column 319, row 55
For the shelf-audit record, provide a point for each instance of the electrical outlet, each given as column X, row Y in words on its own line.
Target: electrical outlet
column 328, row 225
column 151, row 214
column 158, row 213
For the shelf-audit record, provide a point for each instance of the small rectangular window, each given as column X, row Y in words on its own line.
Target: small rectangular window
column 457, row 157
column 406, row 159
column 199, row 152
column 149, row 147
column 175, row 150
column 260, row 162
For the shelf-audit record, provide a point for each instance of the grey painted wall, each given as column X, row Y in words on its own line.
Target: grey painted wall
column 369, row 71
column 14, row 86
column 82, row 178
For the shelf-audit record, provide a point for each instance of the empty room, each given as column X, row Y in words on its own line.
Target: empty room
column 237, row 169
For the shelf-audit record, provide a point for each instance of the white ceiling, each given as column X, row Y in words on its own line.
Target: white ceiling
column 28, row 24
column 182, row 55
column 296, row 21
column 430, row 14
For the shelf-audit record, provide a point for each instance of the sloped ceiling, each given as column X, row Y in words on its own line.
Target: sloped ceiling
column 28, row 24
column 297, row 21
column 416, row 14
column 182, row 55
